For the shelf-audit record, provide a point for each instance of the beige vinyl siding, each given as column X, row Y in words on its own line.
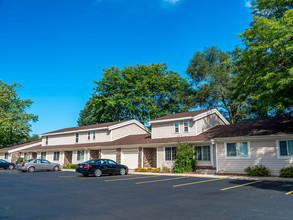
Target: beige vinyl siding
column 167, row 129
column 64, row 139
column 2, row 156
column 204, row 163
column 261, row 153
column 131, row 129
column 208, row 122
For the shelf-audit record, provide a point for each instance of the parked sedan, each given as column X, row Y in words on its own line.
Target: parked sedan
column 97, row 167
column 6, row 165
column 37, row 165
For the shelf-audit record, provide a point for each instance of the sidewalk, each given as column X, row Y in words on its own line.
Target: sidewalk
column 216, row 176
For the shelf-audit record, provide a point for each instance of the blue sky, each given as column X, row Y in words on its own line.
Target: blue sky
column 57, row 48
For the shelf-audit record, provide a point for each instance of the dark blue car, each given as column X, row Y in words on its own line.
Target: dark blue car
column 6, row 165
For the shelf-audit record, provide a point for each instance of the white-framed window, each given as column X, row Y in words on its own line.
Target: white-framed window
column 237, row 150
column 76, row 137
column 6, row 156
column 43, row 155
column 47, row 140
column 203, row 153
column 170, row 153
column 176, row 127
column 186, row 126
column 25, row 156
column 89, row 135
column 285, row 148
column 56, row 156
column 80, row 155
column 94, row 135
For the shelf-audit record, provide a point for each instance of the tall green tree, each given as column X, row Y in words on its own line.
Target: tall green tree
column 15, row 123
column 265, row 63
column 213, row 80
column 142, row 92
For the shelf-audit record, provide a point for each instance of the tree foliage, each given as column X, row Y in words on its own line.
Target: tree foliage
column 15, row 123
column 142, row 92
column 184, row 161
column 213, row 81
column 265, row 64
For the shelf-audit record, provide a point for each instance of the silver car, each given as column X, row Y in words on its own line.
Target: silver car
column 37, row 165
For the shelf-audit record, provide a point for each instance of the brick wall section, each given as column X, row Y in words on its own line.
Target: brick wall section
column 118, row 155
column 15, row 156
column 67, row 157
column 139, row 157
column 94, row 154
column 150, row 157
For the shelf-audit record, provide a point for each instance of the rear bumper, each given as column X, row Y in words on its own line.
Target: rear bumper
column 83, row 170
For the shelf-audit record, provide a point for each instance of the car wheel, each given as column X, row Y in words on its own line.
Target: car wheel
column 31, row 169
column 85, row 174
column 97, row 173
column 56, row 168
column 122, row 171
column 10, row 167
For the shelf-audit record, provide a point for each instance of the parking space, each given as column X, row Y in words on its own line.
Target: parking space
column 68, row 195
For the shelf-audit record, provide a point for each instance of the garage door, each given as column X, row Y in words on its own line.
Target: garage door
column 130, row 158
column 109, row 154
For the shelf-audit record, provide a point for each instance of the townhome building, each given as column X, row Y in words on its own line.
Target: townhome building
column 218, row 145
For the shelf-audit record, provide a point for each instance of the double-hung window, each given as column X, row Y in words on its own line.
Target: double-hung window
column 47, row 140
column 94, row 135
column 25, row 156
column 203, row 153
column 76, row 137
column 80, row 155
column 6, row 156
column 176, row 126
column 286, row 148
column 56, row 156
column 237, row 150
column 89, row 135
column 170, row 153
column 43, row 155
column 186, row 126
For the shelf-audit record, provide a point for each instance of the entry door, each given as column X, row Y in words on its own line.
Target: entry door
column 130, row 158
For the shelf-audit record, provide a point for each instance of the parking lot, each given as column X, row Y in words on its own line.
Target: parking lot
column 68, row 195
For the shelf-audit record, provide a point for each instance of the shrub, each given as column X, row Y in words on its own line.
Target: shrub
column 286, row 172
column 184, row 161
column 136, row 169
column 143, row 170
column 166, row 169
column 258, row 171
column 69, row 166
column 19, row 160
column 150, row 169
column 156, row 170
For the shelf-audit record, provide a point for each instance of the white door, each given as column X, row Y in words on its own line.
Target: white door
column 109, row 154
column 130, row 158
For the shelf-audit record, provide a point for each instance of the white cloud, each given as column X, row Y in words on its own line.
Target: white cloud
column 247, row 3
column 172, row 1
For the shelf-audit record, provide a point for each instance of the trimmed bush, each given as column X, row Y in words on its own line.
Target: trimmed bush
column 258, row 171
column 136, row 169
column 286, row 172
column 19, row 160
column 69, row 166
column 184, row 161
column 143, row 170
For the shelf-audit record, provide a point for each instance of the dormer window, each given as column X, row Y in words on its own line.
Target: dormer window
column 89, row 135
column 76, row 137
column 94, row 135
column 47, row 140
column 186, row 126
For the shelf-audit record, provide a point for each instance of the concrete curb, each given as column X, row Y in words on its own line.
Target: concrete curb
column 217, row 176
